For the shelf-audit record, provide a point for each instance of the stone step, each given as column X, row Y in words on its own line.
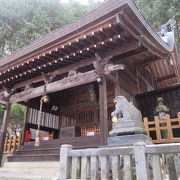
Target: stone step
column 14, row 176
column 31, row 171
column 31, row 168
column 31, row 164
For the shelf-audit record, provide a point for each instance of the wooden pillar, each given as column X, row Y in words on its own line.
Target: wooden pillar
column 25, row 123
column 4, row 129
column 59, row 126
column 117, row 85
column 103, row 111
column 137, row 77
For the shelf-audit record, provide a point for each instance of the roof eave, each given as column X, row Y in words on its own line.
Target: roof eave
column 109, row 8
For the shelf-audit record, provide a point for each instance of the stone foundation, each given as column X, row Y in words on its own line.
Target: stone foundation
column 128, row 140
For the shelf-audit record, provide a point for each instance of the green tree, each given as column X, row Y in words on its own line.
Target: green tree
column 158, row 12
column 16, row 118
column 24, row 21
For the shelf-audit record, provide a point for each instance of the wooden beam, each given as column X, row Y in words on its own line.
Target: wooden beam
column 103, row 112
column 144, row 80
column 57, row 72
column 123, row 25
column 166, row 78
column 149, row 61
column 116, row 51
column 4, row 129
column 131, row 57
column 99, row 44
column 65, row 83
column 122, row 21
column 121, row 49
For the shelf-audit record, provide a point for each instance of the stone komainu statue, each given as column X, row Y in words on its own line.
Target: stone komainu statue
column 161, row 109
column 125, row 110
column 127, row 119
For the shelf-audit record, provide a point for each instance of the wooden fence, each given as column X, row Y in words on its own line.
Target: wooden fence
column 163, row 129
column 11, row 144
column 140, row 162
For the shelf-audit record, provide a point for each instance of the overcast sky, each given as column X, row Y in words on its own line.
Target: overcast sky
column 81, row 1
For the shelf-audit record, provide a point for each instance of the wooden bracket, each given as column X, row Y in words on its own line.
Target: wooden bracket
column 6, row 94
column 27, row 87
column 47, row 78
column 73, row 73
column 104, row 68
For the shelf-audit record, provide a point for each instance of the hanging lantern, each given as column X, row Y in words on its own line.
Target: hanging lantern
column 46, row 99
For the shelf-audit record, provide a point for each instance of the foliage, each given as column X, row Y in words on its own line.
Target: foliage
column 24, row 21
column 16, row 117
column 158, row 12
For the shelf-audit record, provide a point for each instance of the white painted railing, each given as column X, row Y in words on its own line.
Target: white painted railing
column 140, row 162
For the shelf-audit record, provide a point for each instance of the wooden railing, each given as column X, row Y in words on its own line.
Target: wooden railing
column 11, row 144
column 140, row 162
column 163, row 129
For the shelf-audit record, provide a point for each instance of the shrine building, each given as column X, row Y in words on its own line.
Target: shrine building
column 68, row 79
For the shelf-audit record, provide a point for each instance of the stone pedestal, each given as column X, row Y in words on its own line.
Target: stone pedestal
column 128, row 140
column 126, row 132
column 127, row 127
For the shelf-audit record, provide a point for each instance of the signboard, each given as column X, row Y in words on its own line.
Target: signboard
column 90, row 133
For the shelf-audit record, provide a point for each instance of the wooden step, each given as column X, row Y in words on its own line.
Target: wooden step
column 50, row 150
column 22, row 147
column 34, row 158
column 36, row 151
column 42, row 147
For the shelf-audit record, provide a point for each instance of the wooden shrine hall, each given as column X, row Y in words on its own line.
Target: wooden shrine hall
column 68, row 79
